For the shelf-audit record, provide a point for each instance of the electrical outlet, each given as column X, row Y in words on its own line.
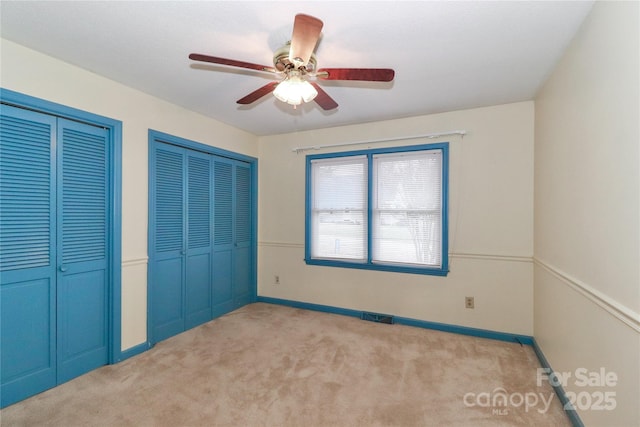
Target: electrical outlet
column 276, row 279
column 468, row 302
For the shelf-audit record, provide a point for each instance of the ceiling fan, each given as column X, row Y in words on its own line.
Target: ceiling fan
column 297, row 62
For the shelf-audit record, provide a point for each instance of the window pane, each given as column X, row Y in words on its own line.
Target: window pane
column 339, row 208
column 407, row 208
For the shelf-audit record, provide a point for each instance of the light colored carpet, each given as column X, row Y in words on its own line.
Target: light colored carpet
column 268, row 365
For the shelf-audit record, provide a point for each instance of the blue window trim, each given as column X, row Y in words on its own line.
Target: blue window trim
column 440, row 271
column 114, row 127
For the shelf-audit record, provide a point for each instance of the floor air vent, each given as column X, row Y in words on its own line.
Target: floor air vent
column 377, row 317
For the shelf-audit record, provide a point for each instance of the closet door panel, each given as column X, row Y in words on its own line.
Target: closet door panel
column 27, row 245
column 243, row 267
column 28, row 338
column 167, row 295
column 82, row 248
column 167, row 289
column 199, row 247
column 223, row 280
column 198, row 290
column 82, row 324
column 242, row 271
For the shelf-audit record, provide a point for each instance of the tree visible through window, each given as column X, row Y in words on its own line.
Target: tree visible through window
column 379, row 209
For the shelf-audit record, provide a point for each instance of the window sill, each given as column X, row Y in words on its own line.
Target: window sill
column 431, row 271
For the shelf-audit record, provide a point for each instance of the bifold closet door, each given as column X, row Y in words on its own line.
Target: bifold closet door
column 198, row 245
column 54, row 196
column 243, row 266
column 181, row 239
column 233, row 266
column 82, row 245
column 28, row 270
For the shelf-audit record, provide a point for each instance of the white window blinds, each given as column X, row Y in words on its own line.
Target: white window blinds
column 407, row 208
column 339, row 208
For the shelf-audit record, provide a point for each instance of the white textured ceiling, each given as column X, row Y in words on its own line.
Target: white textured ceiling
column 447, row 55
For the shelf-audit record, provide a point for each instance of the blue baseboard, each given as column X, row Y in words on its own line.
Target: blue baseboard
column 463, row 330
column 310, row 306
column 564, row 400
column 134, row 351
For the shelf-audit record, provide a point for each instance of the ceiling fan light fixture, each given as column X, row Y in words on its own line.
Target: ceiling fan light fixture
column 294, row 90
column 296, row 60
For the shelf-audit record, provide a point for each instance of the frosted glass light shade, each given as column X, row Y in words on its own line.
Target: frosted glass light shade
column 294, row 90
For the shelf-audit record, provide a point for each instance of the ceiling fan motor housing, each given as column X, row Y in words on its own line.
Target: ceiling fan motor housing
column 281, row 60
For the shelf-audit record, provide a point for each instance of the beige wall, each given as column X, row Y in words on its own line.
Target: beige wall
column 491, row 223
column 34, row 74
column 587, row 216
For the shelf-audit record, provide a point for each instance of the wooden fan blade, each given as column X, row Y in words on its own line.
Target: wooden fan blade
column 259, row 93
column 231, row 62
column 306, row 32
column 363, row 74
column 323, row 99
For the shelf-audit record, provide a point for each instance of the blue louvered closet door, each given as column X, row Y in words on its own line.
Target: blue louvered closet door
column 82, row 204
column 54, row 195
column 233, row 259
column 243, row 266
column 181, row 229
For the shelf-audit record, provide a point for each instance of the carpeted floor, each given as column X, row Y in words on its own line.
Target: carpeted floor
column 267, row 365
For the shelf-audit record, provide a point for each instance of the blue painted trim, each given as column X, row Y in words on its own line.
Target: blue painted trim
column 443, row 270
column 116, row 243
column 254, row 230
column 310, row 306
column 115, row 212
column 444, row 261
column 564, row 400
column 307, row 210
column 198, row 146
column 135, row 350
column 377, row 267
column 151, row 225
column 465, row 330
column 386, row 150
column 369, row 208
column 37, row 104
column 461, row 330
